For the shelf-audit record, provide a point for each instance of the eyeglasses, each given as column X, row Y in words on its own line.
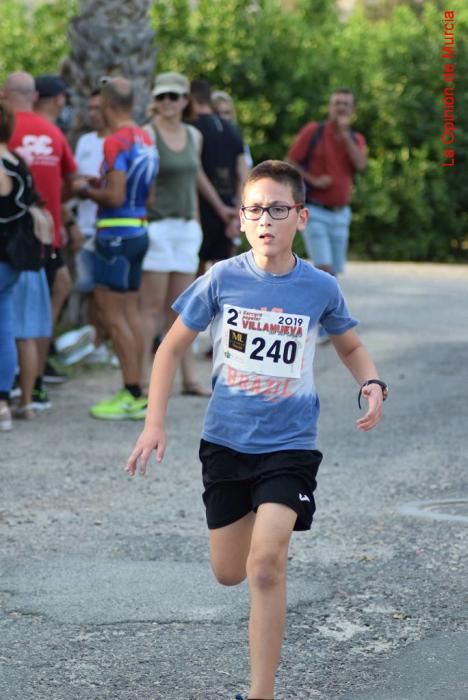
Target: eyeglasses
column 172, row 96
column 275, row 211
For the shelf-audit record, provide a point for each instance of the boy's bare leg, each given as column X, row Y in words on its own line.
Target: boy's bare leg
column 257, row 546
column 266, row 572
column 229, row 549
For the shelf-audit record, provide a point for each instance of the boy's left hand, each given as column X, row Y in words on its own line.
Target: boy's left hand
column 373, row 394
column 153, row 438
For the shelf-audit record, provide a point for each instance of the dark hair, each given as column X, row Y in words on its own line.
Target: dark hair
column 7, row 122
column 94, row 93
column 118, row 93
column 201, row 91
column 282, row 172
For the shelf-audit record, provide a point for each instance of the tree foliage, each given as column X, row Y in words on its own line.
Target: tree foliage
column 34, row 39
column 281, row 60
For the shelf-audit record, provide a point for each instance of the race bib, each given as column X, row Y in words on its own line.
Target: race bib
column 265, row 342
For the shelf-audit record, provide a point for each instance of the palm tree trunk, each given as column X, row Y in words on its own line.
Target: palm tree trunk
column 110, row 37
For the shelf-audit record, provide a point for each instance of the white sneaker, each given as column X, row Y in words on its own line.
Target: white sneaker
column 99, row 356
column 69, row 342
column 77, row 355
column 5, row 419
column 114, row 361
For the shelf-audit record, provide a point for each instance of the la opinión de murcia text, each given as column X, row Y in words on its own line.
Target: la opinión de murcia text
column 448, row 56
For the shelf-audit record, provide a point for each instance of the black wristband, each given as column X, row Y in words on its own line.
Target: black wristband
column 83, row 192
column 381, row 384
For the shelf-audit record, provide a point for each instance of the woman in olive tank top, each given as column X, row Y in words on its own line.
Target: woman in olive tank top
column 175, row 235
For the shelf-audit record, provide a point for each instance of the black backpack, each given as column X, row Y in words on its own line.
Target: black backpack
column 314, row 139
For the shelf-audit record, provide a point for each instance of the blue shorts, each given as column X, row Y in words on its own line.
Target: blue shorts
column 84, row 282
column 326, row 237
column 118, row 261
column 31, row 304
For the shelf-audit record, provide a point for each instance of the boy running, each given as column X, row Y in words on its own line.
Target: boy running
column 258, row 447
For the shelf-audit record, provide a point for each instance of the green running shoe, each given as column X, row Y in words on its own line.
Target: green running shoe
column 122, row 406
column 40, row 400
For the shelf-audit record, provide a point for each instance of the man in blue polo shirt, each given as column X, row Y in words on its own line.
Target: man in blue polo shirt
column 129, row 168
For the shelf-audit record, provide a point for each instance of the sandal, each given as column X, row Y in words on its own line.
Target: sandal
column 194, row 389
column 27, row 412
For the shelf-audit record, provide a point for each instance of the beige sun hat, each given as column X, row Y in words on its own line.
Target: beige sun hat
column 171, row 82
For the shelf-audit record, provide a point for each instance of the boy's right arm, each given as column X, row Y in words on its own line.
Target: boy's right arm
column 167, row 359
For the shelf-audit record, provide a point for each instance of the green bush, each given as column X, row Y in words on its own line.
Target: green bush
column 281, row 64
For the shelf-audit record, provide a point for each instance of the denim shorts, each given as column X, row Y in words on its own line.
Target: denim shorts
column 84, row 265
column 118, row 261
column 31, row 303
column 326, row 237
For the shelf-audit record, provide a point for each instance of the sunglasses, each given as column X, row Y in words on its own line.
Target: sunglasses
column 172, row 96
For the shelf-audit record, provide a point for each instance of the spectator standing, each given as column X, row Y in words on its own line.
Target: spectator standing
column 46, row 152
column 129, row 168
column 175, row 235
column 223, row 161
column 50, row 104
column 223, row 106
column 13, row 183
column 328, row 155
column 89, row 155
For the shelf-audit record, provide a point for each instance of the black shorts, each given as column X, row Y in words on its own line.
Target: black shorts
column 236, row 483
column 54, row 262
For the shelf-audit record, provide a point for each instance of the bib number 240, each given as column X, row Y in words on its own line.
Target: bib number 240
column 265, row 342
column 286, row 352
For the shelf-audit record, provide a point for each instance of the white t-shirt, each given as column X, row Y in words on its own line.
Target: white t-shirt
column 263, row 328
column 89, row 157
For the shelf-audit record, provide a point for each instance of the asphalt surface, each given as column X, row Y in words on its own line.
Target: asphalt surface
column 105, row 586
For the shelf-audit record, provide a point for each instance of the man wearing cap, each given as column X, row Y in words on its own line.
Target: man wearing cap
column 129, row 168
column 51, row 90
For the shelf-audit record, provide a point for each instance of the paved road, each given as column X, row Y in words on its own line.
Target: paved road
column 105, row 589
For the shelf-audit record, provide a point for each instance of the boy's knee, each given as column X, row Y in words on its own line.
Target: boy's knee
column 228, row 576
column 266, row 569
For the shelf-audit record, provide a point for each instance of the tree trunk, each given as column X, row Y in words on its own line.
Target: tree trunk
column 110, row 37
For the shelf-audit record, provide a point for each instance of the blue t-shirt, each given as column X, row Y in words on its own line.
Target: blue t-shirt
column 263, row 330
column 130, row 150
